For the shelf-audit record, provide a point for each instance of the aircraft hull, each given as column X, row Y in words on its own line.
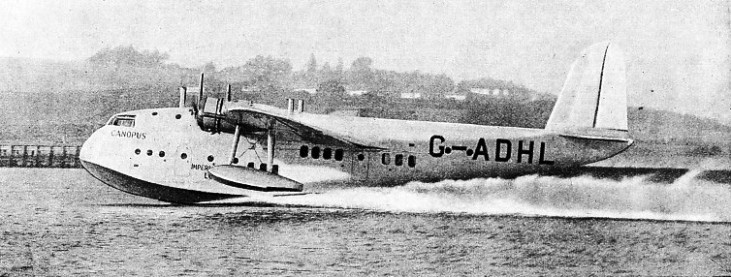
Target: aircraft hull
column 148, row 189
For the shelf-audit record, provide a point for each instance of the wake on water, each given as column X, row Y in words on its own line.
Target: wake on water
column 687, row 199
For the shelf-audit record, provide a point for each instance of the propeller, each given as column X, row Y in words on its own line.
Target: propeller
column 209, row 113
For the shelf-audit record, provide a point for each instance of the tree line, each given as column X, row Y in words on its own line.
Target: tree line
column 268, row 74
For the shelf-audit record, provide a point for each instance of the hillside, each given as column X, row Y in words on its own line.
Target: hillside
column 29, row 75
column 664, row 126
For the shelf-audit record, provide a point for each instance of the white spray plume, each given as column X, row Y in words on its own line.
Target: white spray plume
column 686, row 199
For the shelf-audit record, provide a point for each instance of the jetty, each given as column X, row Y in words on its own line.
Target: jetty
column 58, row 156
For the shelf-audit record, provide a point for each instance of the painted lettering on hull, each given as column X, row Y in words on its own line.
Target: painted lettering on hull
column 200, row 167
column 525, row 150
column 128, row 134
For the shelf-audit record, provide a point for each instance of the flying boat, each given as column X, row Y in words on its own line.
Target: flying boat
column 218, row 149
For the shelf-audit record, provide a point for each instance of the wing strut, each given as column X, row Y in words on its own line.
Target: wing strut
column 270, row 146
column 237, row 136
column 269, row 166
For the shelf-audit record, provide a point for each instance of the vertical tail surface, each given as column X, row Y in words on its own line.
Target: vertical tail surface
column 593, row 100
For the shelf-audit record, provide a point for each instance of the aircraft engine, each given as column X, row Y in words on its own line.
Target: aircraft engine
column 211, row 116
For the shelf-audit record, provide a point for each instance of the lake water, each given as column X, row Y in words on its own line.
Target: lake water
column 62, row 222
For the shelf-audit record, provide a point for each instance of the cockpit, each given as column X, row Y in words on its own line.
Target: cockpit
column 124, row 120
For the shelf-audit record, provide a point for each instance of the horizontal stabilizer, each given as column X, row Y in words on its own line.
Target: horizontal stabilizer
column 252, row 179
column 597, row 134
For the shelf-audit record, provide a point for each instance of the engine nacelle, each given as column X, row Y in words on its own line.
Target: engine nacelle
column 211, row 116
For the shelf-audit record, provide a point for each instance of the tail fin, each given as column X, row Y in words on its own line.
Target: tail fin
column 593, row 101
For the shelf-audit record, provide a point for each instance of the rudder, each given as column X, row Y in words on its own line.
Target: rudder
column 593, row 100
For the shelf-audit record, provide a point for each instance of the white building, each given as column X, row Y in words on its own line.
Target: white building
column 195, row 89
column 484, row 91
column 357, row 92
column 410, row 95
column 308, row 90
column 487, row 91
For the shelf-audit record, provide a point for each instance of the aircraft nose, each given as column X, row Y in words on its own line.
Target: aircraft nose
column 88, row 148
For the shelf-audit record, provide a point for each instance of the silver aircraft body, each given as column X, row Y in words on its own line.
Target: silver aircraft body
column 221, row 149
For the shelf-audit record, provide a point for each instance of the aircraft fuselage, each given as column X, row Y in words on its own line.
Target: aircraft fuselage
column 166, row 147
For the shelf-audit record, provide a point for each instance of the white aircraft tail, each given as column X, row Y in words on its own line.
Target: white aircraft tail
column 593, row 101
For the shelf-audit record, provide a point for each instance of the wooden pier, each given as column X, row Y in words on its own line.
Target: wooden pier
column 59, row 156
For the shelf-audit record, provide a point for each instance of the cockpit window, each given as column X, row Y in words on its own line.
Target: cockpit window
column 123, row 120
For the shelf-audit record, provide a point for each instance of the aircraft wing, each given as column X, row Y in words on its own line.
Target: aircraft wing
column 305, row 126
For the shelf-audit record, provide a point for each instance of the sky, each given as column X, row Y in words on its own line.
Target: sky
column 678, row 52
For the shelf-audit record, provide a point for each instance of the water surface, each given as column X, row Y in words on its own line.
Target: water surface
column 61, row 222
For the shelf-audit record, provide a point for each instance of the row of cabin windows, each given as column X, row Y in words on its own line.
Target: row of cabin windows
column 398, row 159
column 149, row 152
column 182, row 155
column 162, row 154
column 210, row 158
column 326, row 153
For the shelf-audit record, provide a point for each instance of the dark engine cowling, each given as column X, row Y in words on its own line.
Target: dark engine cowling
column 211, row 116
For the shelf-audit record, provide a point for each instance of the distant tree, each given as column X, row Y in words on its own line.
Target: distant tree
column 326, row 73
column 210, row 70
column 438, row 85
column 339, row 68
column 311, row 75
column 326, row 69
column 484, row 83
column 209, row 67
column 383, row 81
column 128, row 55
column 372, row 97
column 331, row 94
column 361, row 75
column 267, row 73
column 312, row 64
column 361, row 64
column 331, row 88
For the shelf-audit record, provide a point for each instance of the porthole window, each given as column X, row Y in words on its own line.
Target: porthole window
column 385, row 158
column 177, row 116
column 162, row 154
column 154, row 113
column 315, row 152
column 149, row 152
column 327, row 153
column 339, row 154
column 138, row 151
column 210, row 158
column 304, row 150
column 361, row 157
column 412, row 161
column 183, row 156
column 398, row 160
